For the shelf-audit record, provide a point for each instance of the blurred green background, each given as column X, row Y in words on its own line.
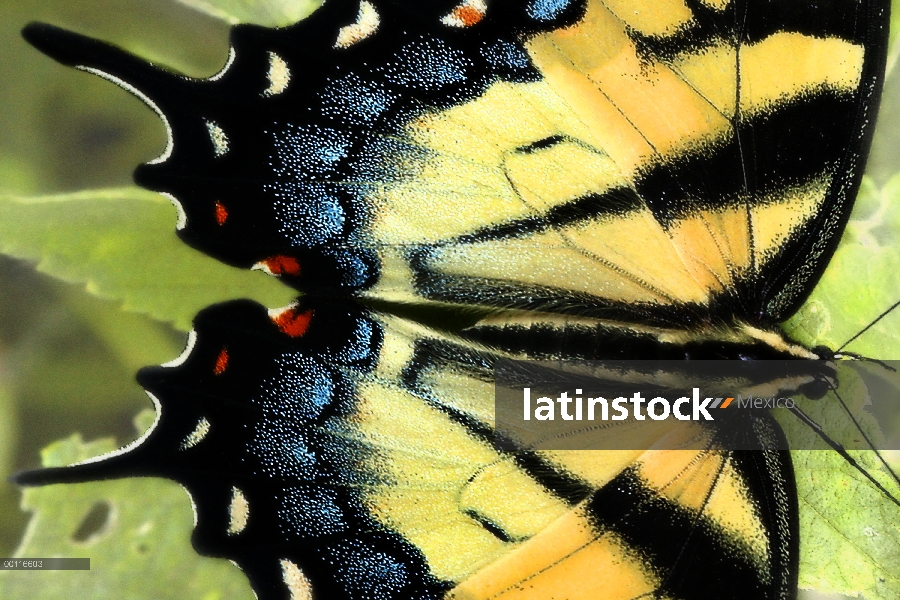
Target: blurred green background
column 67, row 358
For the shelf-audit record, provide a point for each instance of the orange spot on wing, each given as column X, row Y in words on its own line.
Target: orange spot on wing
column 221, row 213
column 221, row 362
column 282, row 265
column 467, row 15
column 293, row 322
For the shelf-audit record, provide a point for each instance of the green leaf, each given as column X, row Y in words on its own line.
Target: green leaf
column 134, row 339
column 139, row 551
column 270, row 13
column 9, row 433
column 861, row 281
column 121, row 244
column 849, row 530
column 69, row 360
column 893, row 47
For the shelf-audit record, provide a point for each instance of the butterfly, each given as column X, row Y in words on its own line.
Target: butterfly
column 573, row 180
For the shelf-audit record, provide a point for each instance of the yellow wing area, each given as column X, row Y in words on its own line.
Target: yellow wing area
column 573, row 558
column 441, row 482
column 559, row 185
column 613, row 114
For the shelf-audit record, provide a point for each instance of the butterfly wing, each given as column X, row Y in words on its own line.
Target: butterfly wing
column 602, row 159
column 595, row 157
column 338, row 451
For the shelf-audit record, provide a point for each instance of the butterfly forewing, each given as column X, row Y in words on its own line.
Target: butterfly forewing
column 515, row 158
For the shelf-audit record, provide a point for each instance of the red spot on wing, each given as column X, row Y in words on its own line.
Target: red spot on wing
column 282, row 265
column 221, row 362
column 221, row 213
column 467, row 15
column 293, row 322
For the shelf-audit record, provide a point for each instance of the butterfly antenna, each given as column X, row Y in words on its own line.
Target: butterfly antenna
column 855, row 356
column 869, row 326
column 864, row 435
column 839, row 448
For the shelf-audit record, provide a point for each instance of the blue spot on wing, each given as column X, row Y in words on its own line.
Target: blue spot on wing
column 355, row 100
column 367, row 573
column 309, row 152
column 355, row 271
column 301, row 389
column 547, row 10
column 308, row 214
column 311, row 511
column 428, row 64
column 281, row 451
column 505, row 57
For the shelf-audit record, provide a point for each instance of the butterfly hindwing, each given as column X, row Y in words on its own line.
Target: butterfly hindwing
column 341, row 450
